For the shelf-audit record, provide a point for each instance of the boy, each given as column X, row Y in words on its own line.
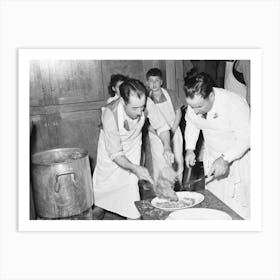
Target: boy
column 170, row 107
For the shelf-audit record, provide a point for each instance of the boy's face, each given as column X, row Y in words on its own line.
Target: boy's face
column 154, row 83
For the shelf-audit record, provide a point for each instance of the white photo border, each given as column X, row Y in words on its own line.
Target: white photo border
column 24, row 57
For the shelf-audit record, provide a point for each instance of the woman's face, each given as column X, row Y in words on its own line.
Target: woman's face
column 116, row 88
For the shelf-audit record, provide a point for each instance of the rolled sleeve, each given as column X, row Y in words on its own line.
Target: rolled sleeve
column 111, row 135
column 157, row 121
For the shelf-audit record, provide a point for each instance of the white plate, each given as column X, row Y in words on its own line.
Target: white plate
column 198, row 197
column 199, row 214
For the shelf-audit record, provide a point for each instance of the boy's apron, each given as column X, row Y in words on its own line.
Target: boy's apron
column 231, row 83
column 159, row 162
column 116, row 189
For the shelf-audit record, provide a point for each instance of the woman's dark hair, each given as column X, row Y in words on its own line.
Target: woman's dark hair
column 198, row 84
column 115, row 78
column 155, row 72
column 134, row 85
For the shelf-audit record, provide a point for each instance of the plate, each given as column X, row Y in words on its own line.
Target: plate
column 199, row 214
column 186, row 200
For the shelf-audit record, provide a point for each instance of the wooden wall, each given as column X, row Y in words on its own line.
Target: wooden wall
column 66, row 97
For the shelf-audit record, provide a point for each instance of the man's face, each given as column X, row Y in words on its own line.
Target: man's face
column 135, row 105
column 200, row 105
column 154, row 83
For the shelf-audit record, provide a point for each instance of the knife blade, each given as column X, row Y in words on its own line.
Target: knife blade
column 191, row 182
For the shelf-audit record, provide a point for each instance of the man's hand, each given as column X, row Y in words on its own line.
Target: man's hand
column 219, row 168
column 142, row 173
column 190, row 158
column 168, row 155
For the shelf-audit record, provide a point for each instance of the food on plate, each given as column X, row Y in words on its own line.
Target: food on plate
column 182, row 203
column 164, row 187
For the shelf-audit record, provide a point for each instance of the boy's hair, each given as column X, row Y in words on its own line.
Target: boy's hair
column 155, row 72
column 198, row 84
column 115, row 78
column 132, row 85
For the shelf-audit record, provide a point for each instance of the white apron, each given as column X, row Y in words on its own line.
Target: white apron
column 116, row 189
column 231, row 83
column 234, row 190
column 159, row 162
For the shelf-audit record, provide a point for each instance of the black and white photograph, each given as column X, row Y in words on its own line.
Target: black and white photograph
column 139, row 139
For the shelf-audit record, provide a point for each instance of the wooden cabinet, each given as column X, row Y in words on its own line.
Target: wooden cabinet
column 39, row 83
column 73, row 81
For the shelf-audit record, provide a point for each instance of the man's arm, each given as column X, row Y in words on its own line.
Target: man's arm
column 178, row 116
column 239, row 117
column 191, row 131
column 141, row 172
column 114, row 147
column 239, row 114
column 191, row 137
column 158, row 122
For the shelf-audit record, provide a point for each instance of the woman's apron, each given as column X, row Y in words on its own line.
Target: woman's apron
column 233, row 190
column 231, row 83
column 116, row 189
column 159, row 162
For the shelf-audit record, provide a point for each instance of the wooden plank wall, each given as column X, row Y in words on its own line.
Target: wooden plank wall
column 66, row 97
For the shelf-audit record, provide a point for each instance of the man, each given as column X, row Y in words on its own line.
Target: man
column 115, row 178
column 224, row 119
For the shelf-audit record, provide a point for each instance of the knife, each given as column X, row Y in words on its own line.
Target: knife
column 191, row 182
column 196, row 180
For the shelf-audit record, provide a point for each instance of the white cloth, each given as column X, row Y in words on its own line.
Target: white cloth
column 112, row 98
column 159, row 162
column 226, row 130
column 116, row 189
column 230, row 82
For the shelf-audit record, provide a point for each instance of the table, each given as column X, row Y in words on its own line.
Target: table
column 149, row 212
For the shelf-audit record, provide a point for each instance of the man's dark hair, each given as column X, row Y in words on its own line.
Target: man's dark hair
column 198, row 84
column 132, row 85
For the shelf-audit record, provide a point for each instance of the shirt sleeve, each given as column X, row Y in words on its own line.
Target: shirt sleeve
column 240, row 125
column 191, row 131
column 157, row 121
column 111, row 135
